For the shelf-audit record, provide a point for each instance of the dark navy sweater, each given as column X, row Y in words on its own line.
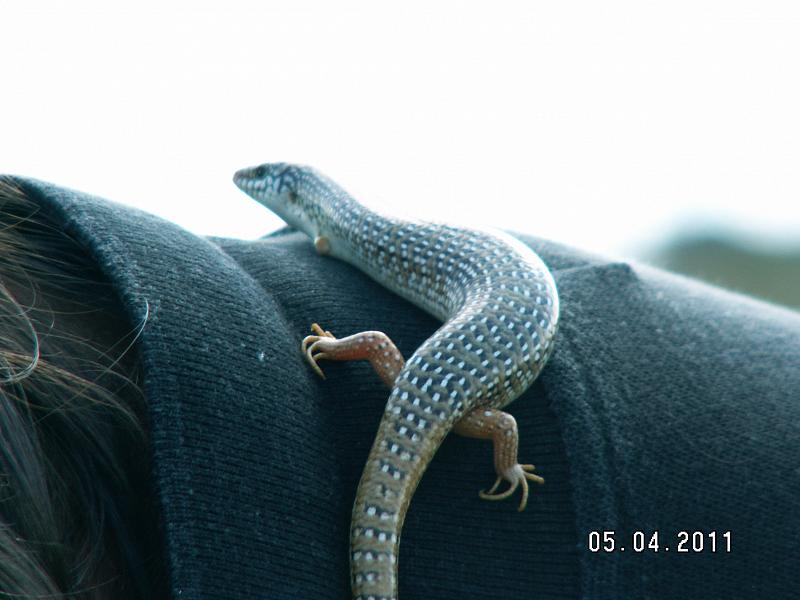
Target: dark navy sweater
column 668, row 406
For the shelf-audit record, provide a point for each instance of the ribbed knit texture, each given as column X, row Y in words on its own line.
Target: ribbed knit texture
column 666, row 405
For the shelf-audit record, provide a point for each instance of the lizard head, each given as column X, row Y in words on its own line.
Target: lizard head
column 292, row 192
column 307, row 200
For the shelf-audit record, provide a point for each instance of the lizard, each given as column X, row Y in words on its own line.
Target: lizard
column 499, row 307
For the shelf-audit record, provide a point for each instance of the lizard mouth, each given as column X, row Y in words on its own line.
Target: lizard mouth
column 248, row 181
column 242, row 176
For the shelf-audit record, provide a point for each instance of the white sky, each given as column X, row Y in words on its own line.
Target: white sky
column 604, row 125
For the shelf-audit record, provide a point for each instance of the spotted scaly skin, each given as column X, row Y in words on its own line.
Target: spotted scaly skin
column 499, row 306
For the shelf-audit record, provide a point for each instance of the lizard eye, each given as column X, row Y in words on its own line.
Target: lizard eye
column 293, row 197
column 259, row 172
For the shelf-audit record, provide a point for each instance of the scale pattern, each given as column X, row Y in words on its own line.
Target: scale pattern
column 499, row 305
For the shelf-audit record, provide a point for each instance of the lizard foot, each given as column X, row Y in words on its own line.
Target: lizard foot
column 313, row 349
column 516, row 476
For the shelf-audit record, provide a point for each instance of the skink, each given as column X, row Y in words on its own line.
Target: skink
column 499, row 306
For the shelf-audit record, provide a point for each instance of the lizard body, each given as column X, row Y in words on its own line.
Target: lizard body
column 499, row 306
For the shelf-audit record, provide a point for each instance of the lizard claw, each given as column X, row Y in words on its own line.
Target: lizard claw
column 516, row 476
column 310, row 347
column 321, row 332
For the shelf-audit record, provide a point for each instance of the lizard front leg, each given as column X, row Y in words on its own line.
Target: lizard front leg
column 481, row 423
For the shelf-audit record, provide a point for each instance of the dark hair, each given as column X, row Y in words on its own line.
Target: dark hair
column 77, row 512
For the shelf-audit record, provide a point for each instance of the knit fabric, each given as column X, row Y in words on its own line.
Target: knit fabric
column 667, row 406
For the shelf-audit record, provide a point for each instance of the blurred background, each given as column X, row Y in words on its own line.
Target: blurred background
column 664, row 132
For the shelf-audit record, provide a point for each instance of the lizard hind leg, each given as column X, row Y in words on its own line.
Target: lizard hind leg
column 374, row 346
column 501, row 428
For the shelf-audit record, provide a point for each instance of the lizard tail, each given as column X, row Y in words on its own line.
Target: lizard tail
column 407, row 439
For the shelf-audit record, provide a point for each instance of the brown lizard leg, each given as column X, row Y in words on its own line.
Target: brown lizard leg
column 482, row 423
column 374, row 346
column 501, row 428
